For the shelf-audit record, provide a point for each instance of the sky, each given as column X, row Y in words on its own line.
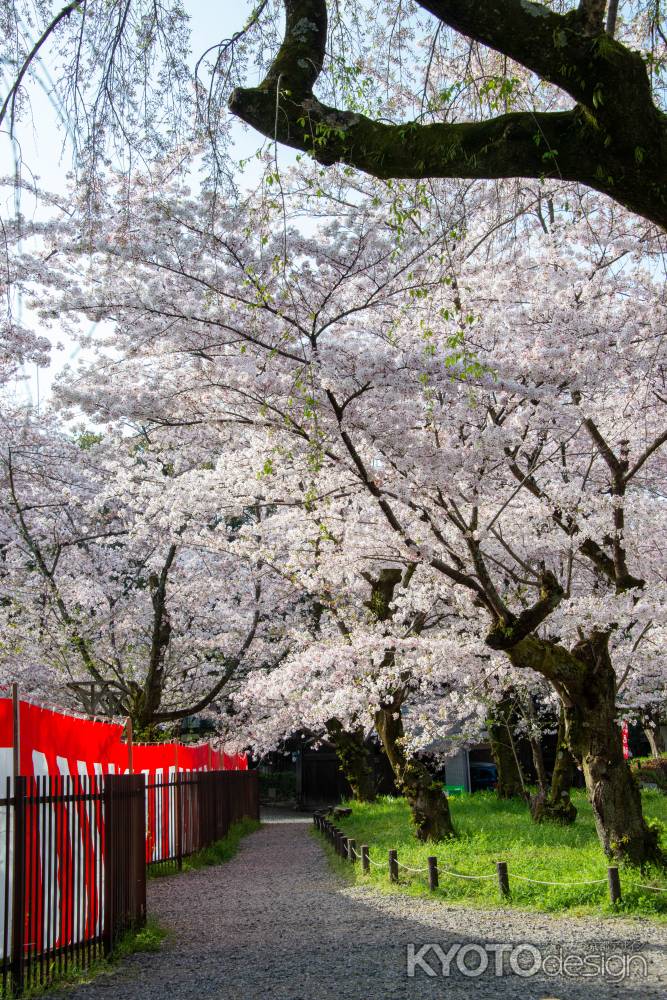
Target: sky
column 42, row 148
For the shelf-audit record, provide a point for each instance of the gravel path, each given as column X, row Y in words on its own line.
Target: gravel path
column 275, row 923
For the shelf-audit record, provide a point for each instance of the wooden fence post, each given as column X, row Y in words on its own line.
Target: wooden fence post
column 351, row 849
column 365, row 863
column 432, row 874
column 503, row 878
column 614, row 884
column 393, row 866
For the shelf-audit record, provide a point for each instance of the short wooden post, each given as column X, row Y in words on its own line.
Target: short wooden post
column 343, row 846
column 614, row 884
column 503, row 878
column 365, row 863
column 432, row 874
column 393, row 866
column 351, row 849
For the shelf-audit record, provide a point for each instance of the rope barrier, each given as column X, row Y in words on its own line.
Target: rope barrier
column 446, row 871
column 409, row 869
column 537, row 881
column 521, row 878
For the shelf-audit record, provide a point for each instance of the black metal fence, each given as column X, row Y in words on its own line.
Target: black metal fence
column 74, row 852
column 72, row 873
column 190, row 811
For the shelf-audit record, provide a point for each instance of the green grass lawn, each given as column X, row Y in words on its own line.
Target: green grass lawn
column 491, row 830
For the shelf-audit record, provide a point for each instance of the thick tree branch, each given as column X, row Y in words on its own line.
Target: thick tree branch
column 613, row 140
column 507, row 634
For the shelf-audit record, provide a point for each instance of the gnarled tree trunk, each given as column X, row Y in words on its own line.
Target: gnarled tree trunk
column 585, row 680
column 425, row 796
column 354, row 760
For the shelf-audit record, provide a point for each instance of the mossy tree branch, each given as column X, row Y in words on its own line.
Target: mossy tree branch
column 614, row 139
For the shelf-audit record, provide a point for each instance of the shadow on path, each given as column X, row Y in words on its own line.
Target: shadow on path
column 275, row 923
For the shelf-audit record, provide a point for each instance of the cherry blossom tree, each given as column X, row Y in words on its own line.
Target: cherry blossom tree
column 100, row 585
column 506, row 432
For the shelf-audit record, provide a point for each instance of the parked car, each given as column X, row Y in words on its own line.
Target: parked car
column 483, row 776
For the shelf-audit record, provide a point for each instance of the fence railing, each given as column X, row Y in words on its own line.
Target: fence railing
column 74, row 853
column 72, row 873
column 190, row 811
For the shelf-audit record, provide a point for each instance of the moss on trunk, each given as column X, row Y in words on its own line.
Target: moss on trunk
column 553, row 803
column 425, row 796
column 354, row 760
column 585, row 680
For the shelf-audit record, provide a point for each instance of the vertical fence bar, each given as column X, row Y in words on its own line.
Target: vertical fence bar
column 18, row 886
column 30, row 911
column 50, row 873
column 76, row 829
column 8, row 884
column 44, row 908
column 109, row 873
column 179, row 820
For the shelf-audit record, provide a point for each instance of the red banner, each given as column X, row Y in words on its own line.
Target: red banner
column 75, row 750
column 625, row 736
column 55, row 743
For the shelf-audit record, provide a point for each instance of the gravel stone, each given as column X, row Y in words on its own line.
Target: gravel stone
column 275, row 923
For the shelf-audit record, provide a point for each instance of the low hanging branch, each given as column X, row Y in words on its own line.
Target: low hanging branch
column 614, row 139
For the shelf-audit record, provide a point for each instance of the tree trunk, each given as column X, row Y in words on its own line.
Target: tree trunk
column 655, row 741
column 653, row 733
column 557, row 806
column 538, row 764
column 425, row 796
column 354, row 760
column 585, row 680
column 510, row 778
